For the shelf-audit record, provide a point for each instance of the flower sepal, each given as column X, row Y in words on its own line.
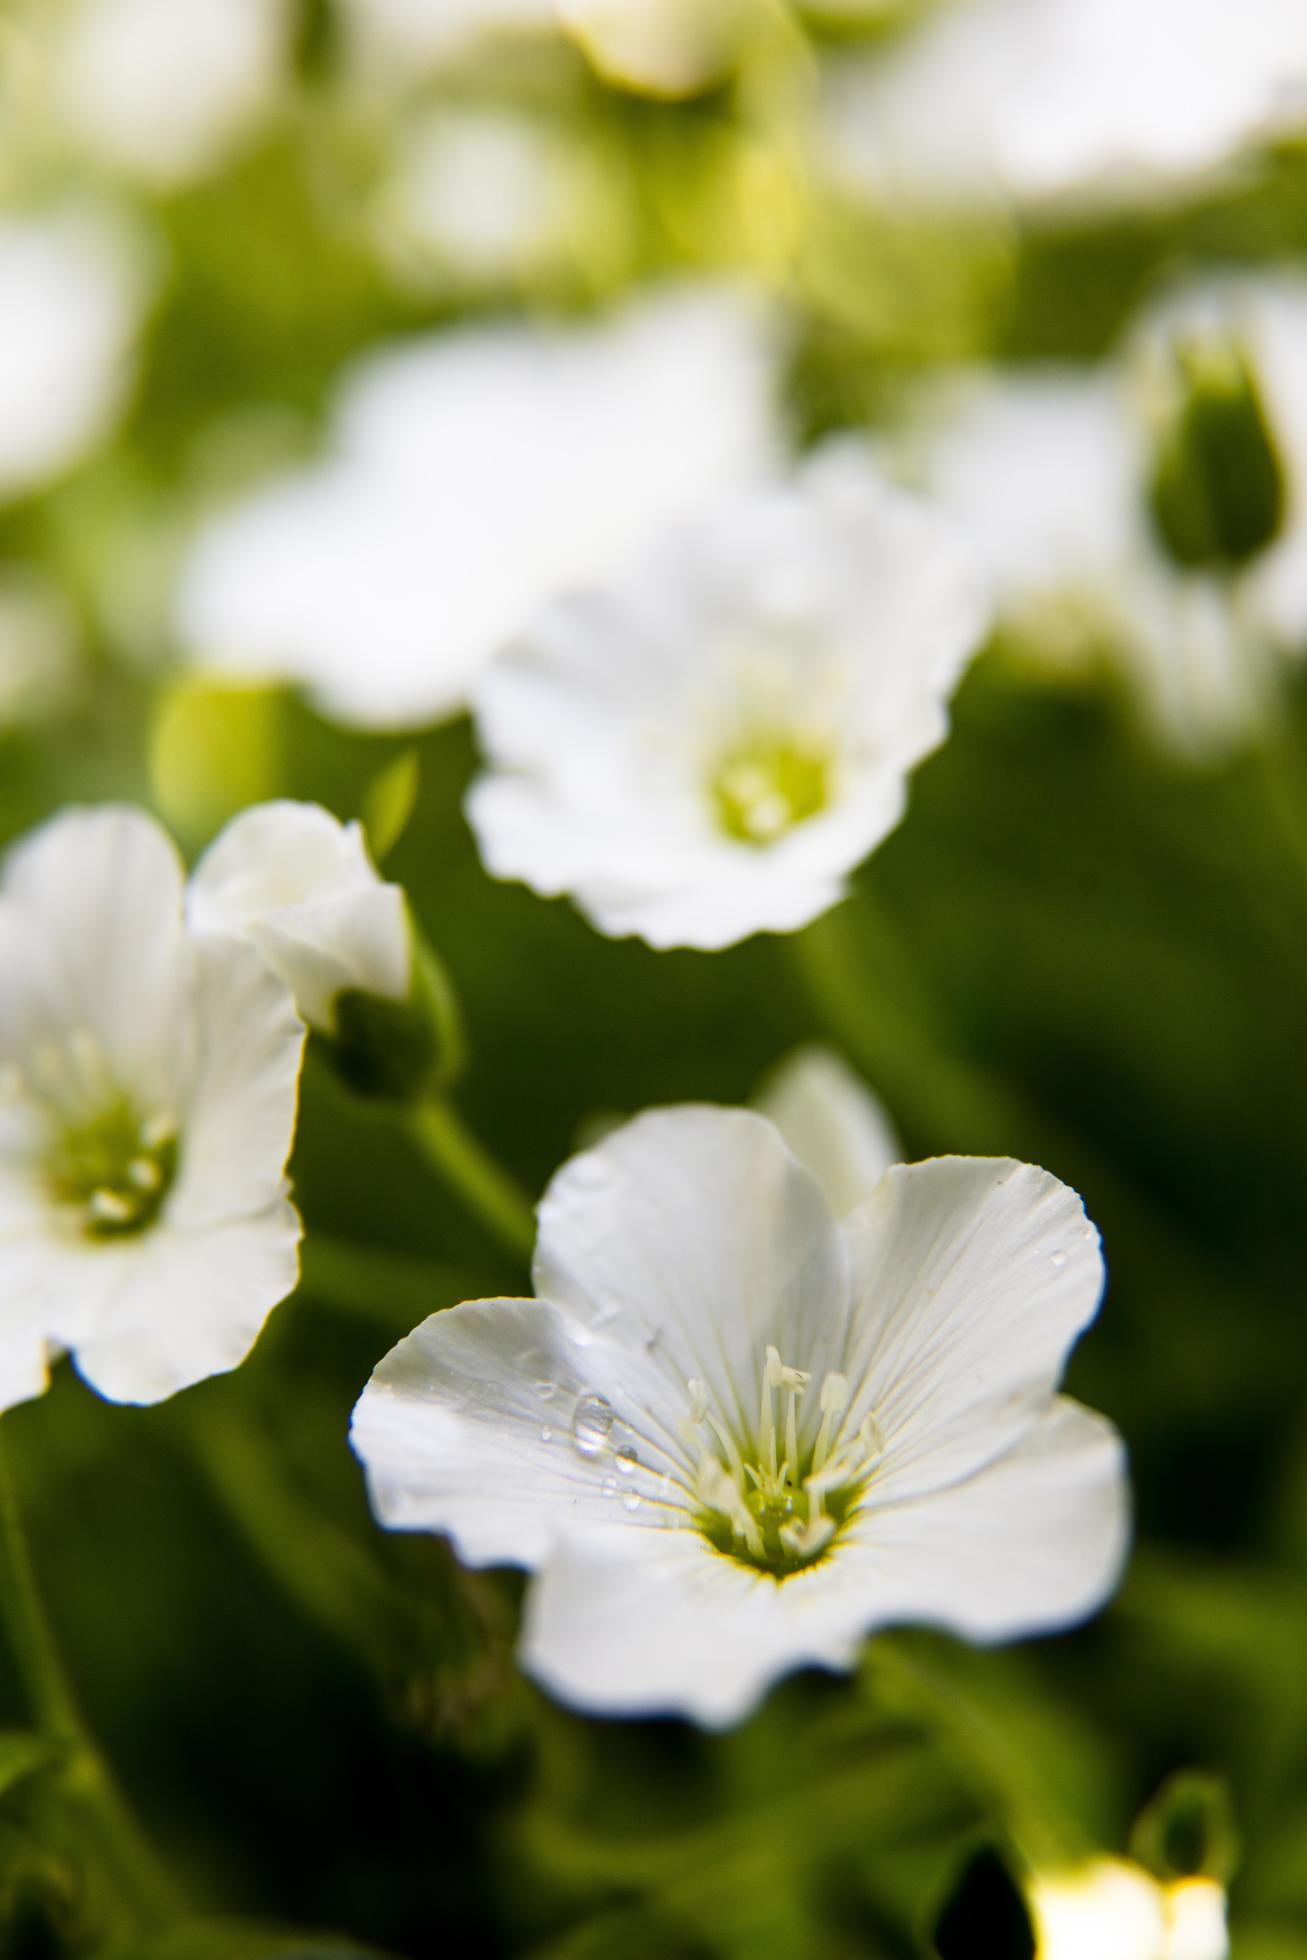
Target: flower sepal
column 398, row 1051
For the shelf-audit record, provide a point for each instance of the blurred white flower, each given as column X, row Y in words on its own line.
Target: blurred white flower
column 482, row 191
column 707, row 750
column 301, row 887
column 392, row 40
column 1051, row 472
column 1112, row 1907
column 1089, row 101
column 162, row 91
column 72, row 291
column 474, row 476
column 660, row 47
column 148, row 1085
column 831, row 1122
column 40, row 648
column 730, row 1436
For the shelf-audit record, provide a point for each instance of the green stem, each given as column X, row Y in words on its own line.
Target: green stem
column 1042, row 1833
column 87, row 1779
column 483, row 1185
column 875, row 1006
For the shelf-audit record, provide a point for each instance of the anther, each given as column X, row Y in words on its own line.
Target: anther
column 110, row 1207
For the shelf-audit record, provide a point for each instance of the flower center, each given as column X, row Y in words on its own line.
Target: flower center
column 773, row 1504
column 104, row 1159
column 114, row 1169
column 765, row 784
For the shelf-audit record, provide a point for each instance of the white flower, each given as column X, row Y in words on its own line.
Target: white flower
column 660, row 47
column 474, row 476
column 149, row 1077
column 483, row 192
column 709, row 749
column 301, row 887
column 1050, row 472
column 163, row 90
column 832, row 1123
column 1099, row 102
column 73, row 288
column 392, row 40
column 731, row 1436
column 1112, row 1907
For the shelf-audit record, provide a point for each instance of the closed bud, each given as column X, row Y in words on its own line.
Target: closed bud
column 1217, row 495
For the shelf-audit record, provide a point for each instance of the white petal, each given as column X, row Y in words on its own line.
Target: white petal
column 691, row 1238
column 467, row 1427
column 972, row 1278
column 190, row 1304
column 238, row 1117
column 1035, row 1541
column 675, row 1627
column 832, row 1123
column 301, row 885
column 102, row 889
column 58, row 1286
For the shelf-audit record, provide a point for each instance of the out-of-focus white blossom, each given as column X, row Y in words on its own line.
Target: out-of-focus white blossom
column 831, row 1122
column 731, row 1436
column 149, row 1077
column 708, row 749
column 1112, row 1908
column 161, row 91
column 484, row 193
column 393, row 39
column 474, row 475
column 73, row 285
column 1050, row 471
column 660, row 47
column 1087, row 101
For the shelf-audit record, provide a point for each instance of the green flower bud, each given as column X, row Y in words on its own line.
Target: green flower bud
column 1217, row 495
column 400, row 1051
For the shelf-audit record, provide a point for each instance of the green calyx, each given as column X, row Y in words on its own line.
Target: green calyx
column 398, row 1051
column 114, row 1170
column 1217, row 495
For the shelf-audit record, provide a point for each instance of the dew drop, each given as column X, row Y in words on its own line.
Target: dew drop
column 1057, row 1258
column 609, row 1486
column 546, row 1390
column 630, row 1500
column 626, row 1459
column 592, row 1419
column 546, row 1435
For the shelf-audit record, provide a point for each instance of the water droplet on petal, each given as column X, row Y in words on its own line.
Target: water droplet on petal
column 630, row 1500
column 546, row 1390
column 546, row 1435
column 1057, row 1258
column 626, row 1459
column 609, row 1487
column 592, row 1419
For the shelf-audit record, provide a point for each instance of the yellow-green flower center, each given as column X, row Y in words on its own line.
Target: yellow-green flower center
column 771, row 1502
column 763, row 786
column 114, row 1169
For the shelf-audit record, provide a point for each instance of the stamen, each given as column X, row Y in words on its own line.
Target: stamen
column 110, row 1207
column 779, row 1512
column 834, row 1401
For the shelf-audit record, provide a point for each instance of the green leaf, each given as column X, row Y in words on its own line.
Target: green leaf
column 22, row 1754
column 388, row 803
